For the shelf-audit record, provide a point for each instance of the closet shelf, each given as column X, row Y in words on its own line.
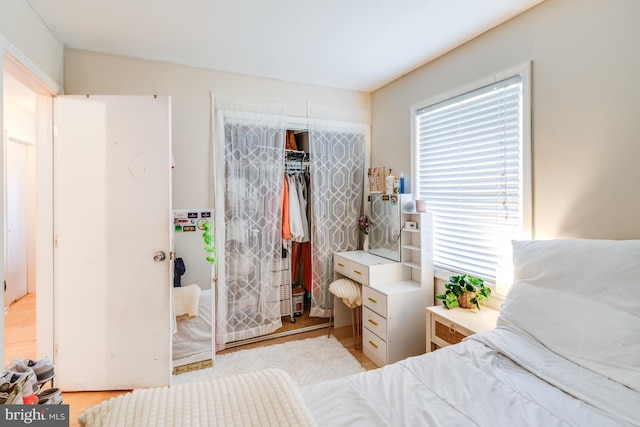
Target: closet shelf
column 406, row 230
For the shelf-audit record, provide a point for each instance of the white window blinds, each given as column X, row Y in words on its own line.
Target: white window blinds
column 469, row 161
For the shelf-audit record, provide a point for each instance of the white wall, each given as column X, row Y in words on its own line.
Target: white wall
column 19, row 110
column 586, row 98
column 24, row 35
column 190, row 88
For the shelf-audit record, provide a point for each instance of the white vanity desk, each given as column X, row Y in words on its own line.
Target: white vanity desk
column 393, row 325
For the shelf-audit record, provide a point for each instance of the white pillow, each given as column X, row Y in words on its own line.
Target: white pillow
column 581, row 299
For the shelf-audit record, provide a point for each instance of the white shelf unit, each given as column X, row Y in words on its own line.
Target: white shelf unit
column 417, row 248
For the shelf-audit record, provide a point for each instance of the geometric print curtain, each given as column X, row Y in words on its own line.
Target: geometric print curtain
column 337, row 142
column 249, row 173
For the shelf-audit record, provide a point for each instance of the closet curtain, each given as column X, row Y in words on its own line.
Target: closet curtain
column 337, row 142
column 248, row 158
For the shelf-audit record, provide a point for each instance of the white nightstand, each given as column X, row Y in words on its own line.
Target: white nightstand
column 450, row 326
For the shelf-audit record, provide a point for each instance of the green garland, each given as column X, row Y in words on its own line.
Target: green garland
column 210, row 247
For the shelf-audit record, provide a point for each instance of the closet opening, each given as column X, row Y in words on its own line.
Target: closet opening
column 262, row 265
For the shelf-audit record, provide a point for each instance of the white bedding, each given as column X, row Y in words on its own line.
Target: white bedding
column 566, row 352
column 193, row 336
column 475, row 384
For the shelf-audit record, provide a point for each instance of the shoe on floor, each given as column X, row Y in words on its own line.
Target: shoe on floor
column 50, row 396
column 10, row 393
column 25, row 382
column 43, row 368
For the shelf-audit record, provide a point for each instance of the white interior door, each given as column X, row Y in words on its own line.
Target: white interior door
column 112, row 217
column 16, row 220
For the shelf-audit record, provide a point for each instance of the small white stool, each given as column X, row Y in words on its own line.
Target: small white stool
column 351, row 293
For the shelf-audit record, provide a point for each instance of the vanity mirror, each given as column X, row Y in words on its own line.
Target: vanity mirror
column 384, row 237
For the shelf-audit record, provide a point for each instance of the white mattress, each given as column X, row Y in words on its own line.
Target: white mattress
column 475, row 383
column 193, row 336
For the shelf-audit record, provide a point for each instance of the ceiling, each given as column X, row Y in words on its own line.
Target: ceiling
column 348, row 44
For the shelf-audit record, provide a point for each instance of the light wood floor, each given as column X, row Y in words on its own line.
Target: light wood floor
column 20, row 341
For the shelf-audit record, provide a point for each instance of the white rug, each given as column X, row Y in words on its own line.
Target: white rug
column 308, row 361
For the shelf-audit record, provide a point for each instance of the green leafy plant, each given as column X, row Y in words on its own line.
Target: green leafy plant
column 210, row 247
column 459, row 285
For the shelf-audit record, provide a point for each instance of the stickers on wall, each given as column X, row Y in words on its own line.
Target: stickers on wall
column 394, row 199
column 185, row 221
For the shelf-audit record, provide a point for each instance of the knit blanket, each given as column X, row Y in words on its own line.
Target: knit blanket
column 186, row 300
column 267, row 398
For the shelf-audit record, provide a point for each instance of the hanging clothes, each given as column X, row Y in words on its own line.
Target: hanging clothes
column 301, row 267
column 286, row 230
column 301, row 187
column 295, row 218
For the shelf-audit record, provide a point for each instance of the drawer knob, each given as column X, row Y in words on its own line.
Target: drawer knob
column 373, row 344
column 340, row 264
column 373, row 322
column 452, row 328
column 372, row 300
column 357, row 272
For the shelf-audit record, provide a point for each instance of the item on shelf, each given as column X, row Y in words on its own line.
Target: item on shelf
column 421, row 205
column 401, row 182
column 388, row 183
column 372, row 174
column 410, row 206
column 396, row 185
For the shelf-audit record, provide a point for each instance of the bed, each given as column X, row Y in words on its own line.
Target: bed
column 566, row 352
column 192, row 339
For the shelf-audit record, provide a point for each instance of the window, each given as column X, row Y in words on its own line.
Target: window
column 471, row 165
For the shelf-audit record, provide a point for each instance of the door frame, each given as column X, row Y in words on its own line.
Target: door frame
column 19, row 66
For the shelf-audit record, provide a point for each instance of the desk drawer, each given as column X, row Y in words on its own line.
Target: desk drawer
column 448, row 331
column 351, row 269
column 374, row 347
column 374, row 322
column 374, row 300
column 341, row 265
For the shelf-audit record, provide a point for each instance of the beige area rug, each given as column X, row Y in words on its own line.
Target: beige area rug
column 308, row 361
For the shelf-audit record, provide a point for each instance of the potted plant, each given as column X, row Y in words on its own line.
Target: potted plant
column 464, row 291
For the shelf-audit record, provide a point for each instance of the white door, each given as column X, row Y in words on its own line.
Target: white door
column 16, row 219
column 112, row 224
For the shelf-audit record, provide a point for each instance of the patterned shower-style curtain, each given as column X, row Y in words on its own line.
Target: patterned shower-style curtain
column 248, row 161
column 337, row 143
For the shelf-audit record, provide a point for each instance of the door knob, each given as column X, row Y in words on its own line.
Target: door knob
column 159, row 256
